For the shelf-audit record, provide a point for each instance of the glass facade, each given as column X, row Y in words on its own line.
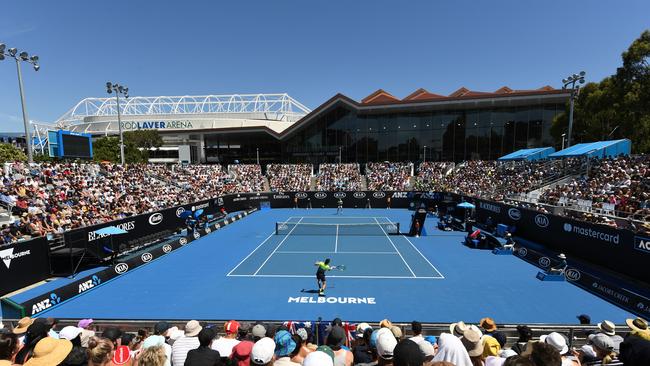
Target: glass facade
column 368, row 136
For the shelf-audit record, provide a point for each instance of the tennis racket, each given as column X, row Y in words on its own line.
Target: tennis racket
column 340, row 267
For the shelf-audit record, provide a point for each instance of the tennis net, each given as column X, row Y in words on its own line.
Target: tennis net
column 364, row 229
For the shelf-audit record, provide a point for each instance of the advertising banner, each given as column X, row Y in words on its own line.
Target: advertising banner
column 23, row 264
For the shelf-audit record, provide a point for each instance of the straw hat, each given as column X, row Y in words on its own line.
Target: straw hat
column 23, row 324
column 637, row 324
column 50, row 351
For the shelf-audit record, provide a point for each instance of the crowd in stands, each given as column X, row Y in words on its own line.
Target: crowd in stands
column 338, row 177
column 50, row 198
column 248, row 177
column 289, row 177
column 623, row 182
column 42, row 342
column 389, row 176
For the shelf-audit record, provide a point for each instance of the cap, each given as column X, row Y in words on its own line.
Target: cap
column 336, row 336
column 302, row 333
column 192, row 328
column 556, row 340
column 601, row 341
column 361, row 327
column 318, row 358
column 161, row 327
column 386, row 343
column 397, row 332
column 262, row 351
column 328, row 351
column 84, row 323
column 231, row 327
column 70, row 332
column 153, row 341
column 259, row 331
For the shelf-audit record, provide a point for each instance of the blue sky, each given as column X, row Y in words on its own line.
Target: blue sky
column 311, row 50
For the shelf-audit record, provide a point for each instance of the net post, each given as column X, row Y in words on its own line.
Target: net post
column 276, row 228
column 397, row 224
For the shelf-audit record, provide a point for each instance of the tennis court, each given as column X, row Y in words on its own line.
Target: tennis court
column 368, row 247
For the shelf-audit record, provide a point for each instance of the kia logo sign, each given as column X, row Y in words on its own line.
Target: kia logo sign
column 156, row 218
column 379, row 194
column 167, row 248
column 514, row 214
column 572, row 274
column 320, row 195
column 121, row 268
column 182, row 241
column 522, row 252
column 196, row 235
column 146, row 257
column 359, row 195
column 339, row 195
column 179, row 211
column 544, row 262
column 301, row 195
column 541, row 220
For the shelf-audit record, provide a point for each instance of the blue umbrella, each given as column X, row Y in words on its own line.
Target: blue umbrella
column 465, row 205
column 198, row 213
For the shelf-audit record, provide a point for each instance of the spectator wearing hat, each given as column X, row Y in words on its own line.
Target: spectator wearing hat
column 335, row 340
column 525, row 335
column 603, row 346
column 49, row 351
column 416, row 328
column 559, row 343
column 156, row 341
column 241, row 353
column 451, row 349
column 491, row 347
column 225, row 344
column 263, row 352
column 122, row 354
column 386, row 344
column 471, row 339
column 9, row 346
column 35, row 332
column 408, row 353
column 560, row 266
column 635, row 351
column 22, row 326
column 428, row 350
column 259, row 332
column 362, row 352
column 88, row 330
column 204, row 355
column 186, row 343
column 285, row 349
column 638, row 327
column 609, row 328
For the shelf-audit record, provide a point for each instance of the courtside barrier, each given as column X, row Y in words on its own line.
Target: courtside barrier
column 45, row 301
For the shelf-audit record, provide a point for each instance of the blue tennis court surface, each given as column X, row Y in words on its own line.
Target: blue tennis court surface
column 245, row 271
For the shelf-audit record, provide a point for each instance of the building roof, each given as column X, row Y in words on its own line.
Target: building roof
column 381, row 96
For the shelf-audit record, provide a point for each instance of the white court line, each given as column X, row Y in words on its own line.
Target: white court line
column 337, row 217
column 276, row 248
column 251, row 253
column 306, row 252
column 336, row 242
column 365, row 277
column 419, row 252
column 393, row 244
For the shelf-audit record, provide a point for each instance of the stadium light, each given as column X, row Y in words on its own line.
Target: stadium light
column 118, row 89
column 424, row 160
column 33, row 60
column 573, row 82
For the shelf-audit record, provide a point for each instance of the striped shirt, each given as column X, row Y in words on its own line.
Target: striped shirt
column 181, row 347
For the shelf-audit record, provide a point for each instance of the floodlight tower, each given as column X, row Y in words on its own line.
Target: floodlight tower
column 571, row 82
column 118, row 89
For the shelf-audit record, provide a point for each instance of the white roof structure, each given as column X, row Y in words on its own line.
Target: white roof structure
column 99, row 115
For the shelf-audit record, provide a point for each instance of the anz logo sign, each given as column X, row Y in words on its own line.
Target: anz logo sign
column 46, row 303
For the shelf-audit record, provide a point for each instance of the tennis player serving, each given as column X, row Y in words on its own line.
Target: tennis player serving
column 339, row 207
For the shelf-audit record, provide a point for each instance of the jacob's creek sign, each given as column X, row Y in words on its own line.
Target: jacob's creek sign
column 332, row 300
column 126, row 226
column 157, row 125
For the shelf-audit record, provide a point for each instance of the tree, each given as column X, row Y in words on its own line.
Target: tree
column 10, row 153
column 616, row 107
column 136, row 145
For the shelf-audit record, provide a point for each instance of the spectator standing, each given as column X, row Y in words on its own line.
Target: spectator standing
column 407, row 353
column 609, row 328
column 204, row 355
column 262, row 352
column 386, row 343
column 335, row 340
column 153, row 356
column 451, row 349
column 186, row 343
column 35, row 333
column 241, row 353
column 122, row 355
column 416, row 328
column 88, row 330
column 603, row 345
column 50, row 351
column 225, row 344
column 100, row 352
